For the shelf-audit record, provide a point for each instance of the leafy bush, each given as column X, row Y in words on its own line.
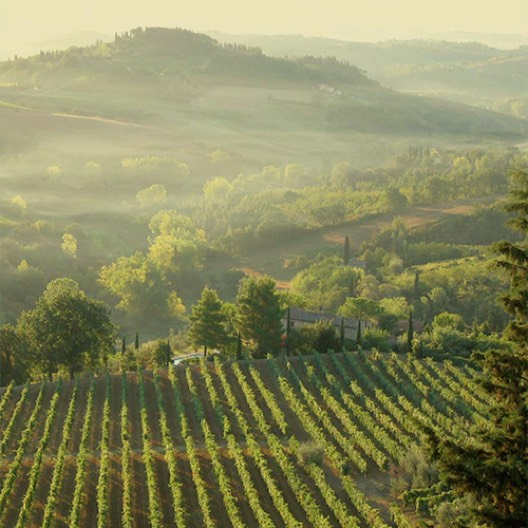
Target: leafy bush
column 310, row 453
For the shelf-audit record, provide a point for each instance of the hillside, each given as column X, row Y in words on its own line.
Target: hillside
column 187, row 87
column 310, row 442
column 468, row 72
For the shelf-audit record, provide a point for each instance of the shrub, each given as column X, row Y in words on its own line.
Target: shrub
column 310, row 453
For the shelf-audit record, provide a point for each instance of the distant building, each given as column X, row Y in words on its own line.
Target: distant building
column 357, row 263
column 300, row 317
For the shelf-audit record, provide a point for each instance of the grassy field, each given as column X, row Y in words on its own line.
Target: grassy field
column 308, row 442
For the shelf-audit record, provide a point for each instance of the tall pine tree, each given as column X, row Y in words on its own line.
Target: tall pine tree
column 208, row 321
column 491, row 467
column 260, row 315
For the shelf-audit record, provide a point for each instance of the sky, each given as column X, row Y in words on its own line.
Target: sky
column 30, row 21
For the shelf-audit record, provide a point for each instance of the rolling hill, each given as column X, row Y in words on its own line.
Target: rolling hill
column 466, row 72
column 311, row 441
column 186, row 87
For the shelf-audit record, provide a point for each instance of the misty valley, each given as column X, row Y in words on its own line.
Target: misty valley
column 338, row 228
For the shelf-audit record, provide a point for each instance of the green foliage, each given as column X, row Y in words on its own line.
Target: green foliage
column 326, row 283
column 15, row 355
column 260, row 314
column 153, row 196
column 492, row 470
column 318, row 337
column 208, row 322
column 310, row 453
column 67, row 328
column 360, row 308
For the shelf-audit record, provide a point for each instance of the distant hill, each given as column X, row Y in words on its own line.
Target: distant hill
column 466, row 72
column 272, row 109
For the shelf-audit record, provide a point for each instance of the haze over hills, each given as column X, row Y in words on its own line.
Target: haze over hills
column 468, row 72
column 189, row 85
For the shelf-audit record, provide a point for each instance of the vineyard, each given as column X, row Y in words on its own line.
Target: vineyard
column 217, row 444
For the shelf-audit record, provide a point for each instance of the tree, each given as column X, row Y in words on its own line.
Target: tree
column 208, row 321
column 346, row 250
column 491, row 467
column 67, row 328
column 69, row 245
column 410, row 331
column 153, row 196
column 14, row 355
column 325, row 283
column 260, row 314
column 360, row 309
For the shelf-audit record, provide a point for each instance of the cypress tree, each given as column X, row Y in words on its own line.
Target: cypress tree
column 123, row 345
column 239, row 346
column 136, row 341
column 342, row 334
column 358, row 334
column 346, row 250
column 410, row 331
column 169, row 352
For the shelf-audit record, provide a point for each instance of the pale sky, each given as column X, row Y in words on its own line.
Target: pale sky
column 23, row 21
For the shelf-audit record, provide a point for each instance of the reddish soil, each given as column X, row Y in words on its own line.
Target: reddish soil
column 265, row 498
column 295, row 426
column 210, row 414
column 10, row 514
column 140, row 501
column 242, row 403
column 10, row 406
column 63, row 505
column 23, row 417
column 218, row 510
column 134, row 419
column 164, row 494
column 173, row 420
column 116, row 491
column 152, row 411
column 80, row 410
column 237, row 489
column 265, row 409
column 41, row 494
column 97, row 415
column 186, row 396
column 89, row 505
column 58, row 422
column 115, row 412
column 190, row 498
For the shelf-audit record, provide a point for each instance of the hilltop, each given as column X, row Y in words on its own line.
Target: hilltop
column 466, row 72
column 181, row 84
column 313, row 441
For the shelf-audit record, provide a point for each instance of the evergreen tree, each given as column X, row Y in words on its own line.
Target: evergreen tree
column 491, row 466
column 346, row 250
column 123, row 345
column 169, row 352
column 260, row 315
column 342, row 335
column 208, row 321
column 239, row 346
column 410, row 331
column 136, row 341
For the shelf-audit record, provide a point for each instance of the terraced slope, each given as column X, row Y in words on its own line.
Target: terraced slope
column 218, row 444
